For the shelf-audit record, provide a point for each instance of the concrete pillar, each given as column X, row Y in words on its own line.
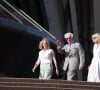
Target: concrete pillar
column 68, row 21
column 96, row 8
column 74, row 19
column 64, row 3
column 55, row 18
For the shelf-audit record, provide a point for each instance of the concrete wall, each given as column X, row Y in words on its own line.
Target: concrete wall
column 96, row 8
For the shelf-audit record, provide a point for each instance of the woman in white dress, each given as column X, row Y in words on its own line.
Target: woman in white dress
column 94, row 68
column 45, row 58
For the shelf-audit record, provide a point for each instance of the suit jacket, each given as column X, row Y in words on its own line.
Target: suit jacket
column 74, row 56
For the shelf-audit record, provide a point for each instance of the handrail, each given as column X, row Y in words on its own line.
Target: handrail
column 29, row 19
column 11, row 14
column 37, row 24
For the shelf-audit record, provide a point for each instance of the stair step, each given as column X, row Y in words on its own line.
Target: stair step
column 28, row 84
column 3, row 87
column 32, row 80
column 53, row 85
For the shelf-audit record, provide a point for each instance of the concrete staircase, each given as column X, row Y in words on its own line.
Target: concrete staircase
column 35, row 84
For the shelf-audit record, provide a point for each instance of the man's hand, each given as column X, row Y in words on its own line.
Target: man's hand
column 58, row 43
column 80, row 68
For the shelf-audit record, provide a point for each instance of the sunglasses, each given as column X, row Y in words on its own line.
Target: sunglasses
column 69, row 38
column 93, row 37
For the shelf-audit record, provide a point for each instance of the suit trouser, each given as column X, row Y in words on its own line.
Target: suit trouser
column 71, row 74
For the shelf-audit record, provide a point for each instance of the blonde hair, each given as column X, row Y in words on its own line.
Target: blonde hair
column 66, row 35
column 97, row 35
column 41, row 43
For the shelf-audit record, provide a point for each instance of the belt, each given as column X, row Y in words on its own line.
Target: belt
column 70, row 56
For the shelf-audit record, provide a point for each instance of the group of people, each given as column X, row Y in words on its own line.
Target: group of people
column 74, row 58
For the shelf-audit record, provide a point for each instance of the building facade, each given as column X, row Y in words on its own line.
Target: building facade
column 81, row 17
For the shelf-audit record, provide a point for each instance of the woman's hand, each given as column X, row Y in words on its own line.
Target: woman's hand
column 57, row 71
column 35, row 66
column 33, row 70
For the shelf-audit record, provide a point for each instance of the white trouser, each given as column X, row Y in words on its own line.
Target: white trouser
column 46, row 70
